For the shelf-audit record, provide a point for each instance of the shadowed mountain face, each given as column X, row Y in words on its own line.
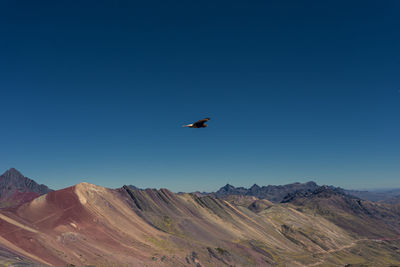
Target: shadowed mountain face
column 92, row 225
column 274, row 193
column 16, row 189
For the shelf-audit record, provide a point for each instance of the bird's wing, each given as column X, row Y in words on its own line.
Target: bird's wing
column 201, row 122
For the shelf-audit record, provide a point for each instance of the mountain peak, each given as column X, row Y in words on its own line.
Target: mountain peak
column 12, row 173
column 311, row 183
column 228, row 186
column 255, row 186
column 15, row 188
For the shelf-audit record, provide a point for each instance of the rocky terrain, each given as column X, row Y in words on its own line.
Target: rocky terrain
column 87, row 225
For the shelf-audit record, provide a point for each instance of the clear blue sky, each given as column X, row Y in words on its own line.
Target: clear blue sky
column 296, row 90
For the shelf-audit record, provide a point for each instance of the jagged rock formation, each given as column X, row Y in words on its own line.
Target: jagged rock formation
column 321, row 192
column 277, row 193
column 274, row 193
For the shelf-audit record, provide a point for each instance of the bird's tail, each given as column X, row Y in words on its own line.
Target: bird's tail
column 188, row 125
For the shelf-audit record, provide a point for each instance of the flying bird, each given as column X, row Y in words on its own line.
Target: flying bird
column 198, row 124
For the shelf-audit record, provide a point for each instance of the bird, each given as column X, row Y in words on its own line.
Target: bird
column 198, row 124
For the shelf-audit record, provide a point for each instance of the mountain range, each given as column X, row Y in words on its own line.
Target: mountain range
column 276, row 193
column 292, row 225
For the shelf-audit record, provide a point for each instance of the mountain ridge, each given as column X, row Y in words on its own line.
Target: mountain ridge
column 274, row 193
column 277, row 193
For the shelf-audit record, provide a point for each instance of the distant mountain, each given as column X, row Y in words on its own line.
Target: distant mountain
column 375, row 195
column 277, row 193
column 16, row 188
column 319, row 192
column 274, row 193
